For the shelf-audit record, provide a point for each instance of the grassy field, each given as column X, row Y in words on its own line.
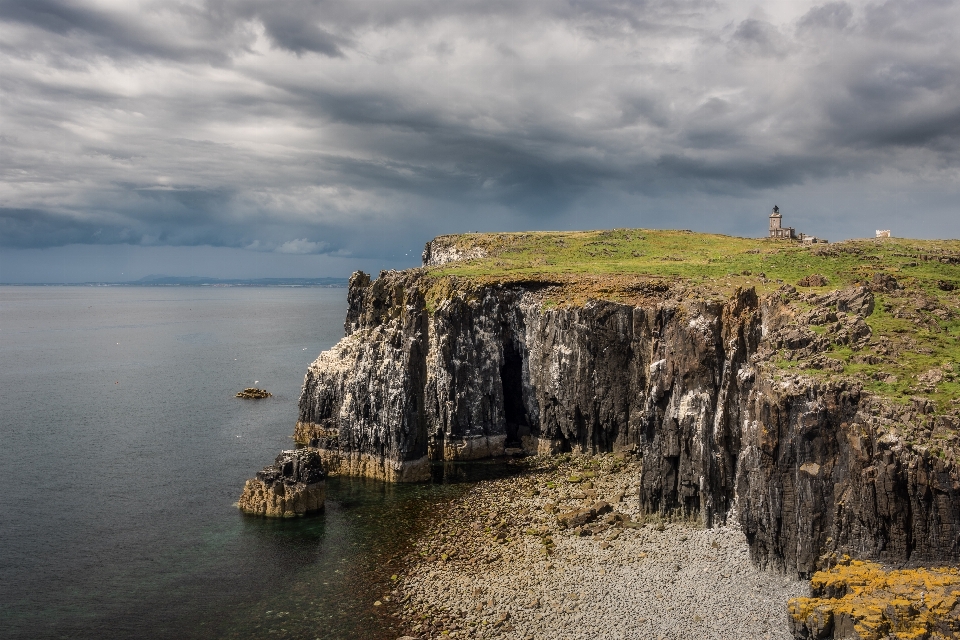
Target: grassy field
column 915, row 348
column 700, row 256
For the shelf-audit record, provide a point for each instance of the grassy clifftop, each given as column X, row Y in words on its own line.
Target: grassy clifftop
column 701, row 257
column 915, row 343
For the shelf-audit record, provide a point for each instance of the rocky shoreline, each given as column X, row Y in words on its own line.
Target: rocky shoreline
column 502, row 564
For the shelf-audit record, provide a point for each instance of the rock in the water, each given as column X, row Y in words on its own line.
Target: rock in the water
column 292, row 486
column 252, row 393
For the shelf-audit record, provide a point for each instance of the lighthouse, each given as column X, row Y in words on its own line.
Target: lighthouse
column 777, row 230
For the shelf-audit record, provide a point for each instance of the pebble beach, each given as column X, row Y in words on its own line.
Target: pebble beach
column 563, row 551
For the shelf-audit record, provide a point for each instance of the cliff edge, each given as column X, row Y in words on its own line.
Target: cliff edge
column 822, row 418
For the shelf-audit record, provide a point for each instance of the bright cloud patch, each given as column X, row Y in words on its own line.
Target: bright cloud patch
column 301, row 246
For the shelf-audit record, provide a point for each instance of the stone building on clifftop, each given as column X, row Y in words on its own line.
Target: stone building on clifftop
column 779, row 232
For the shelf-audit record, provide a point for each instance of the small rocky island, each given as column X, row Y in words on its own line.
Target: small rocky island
column 292, row 486
column 252, row 393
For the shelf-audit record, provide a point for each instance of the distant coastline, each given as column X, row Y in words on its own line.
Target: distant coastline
column 196, row 281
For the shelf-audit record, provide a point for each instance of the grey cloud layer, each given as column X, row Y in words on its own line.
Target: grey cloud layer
column 303, row 126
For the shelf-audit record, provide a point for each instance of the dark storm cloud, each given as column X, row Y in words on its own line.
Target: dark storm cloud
column 38, row 228
column 760, row 38
column 304, row 126
column 84, row 32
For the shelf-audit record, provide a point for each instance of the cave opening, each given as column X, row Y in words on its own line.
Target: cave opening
column 514, row 411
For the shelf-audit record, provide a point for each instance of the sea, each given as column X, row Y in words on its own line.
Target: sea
column 123, row 452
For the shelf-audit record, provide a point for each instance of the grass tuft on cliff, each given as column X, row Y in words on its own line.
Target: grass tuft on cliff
column 915, row 346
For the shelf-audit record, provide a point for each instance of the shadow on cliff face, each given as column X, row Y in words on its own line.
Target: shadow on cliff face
column 511, row 381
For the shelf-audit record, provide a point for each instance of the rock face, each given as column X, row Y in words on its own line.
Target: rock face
column 432, row 370
column 444, row 249
column 292, row 486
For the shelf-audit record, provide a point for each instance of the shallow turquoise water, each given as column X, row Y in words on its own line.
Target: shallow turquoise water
column 122, row 451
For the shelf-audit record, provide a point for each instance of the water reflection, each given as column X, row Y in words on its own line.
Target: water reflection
column 475, row 470
column 328, row 569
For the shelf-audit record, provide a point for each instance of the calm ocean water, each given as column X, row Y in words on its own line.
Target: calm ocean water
column 122, row 451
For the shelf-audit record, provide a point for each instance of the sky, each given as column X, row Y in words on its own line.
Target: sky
column 310, row 138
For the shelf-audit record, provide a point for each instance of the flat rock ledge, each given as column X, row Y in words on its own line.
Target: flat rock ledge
column 294, row 485
column 863, row 600
column 567, row 552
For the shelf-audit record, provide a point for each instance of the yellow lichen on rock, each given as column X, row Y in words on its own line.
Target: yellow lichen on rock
column 863, row 600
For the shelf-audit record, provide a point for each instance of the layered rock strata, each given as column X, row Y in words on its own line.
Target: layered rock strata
column 437, row 369
column 292, row 486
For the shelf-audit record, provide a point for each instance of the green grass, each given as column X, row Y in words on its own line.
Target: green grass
column 698, row 256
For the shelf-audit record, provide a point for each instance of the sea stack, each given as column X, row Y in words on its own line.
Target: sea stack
column 292, row 486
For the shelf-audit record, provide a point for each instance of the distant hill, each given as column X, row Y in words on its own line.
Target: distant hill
column 156, row 280
column 194, row 281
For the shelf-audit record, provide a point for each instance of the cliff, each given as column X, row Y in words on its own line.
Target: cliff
column 746, row 398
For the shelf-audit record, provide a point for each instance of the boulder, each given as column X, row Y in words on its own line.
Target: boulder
column 883, row 282
column 579, row 517
column 812, row 280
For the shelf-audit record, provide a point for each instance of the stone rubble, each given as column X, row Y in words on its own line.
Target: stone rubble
column 509, row 561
